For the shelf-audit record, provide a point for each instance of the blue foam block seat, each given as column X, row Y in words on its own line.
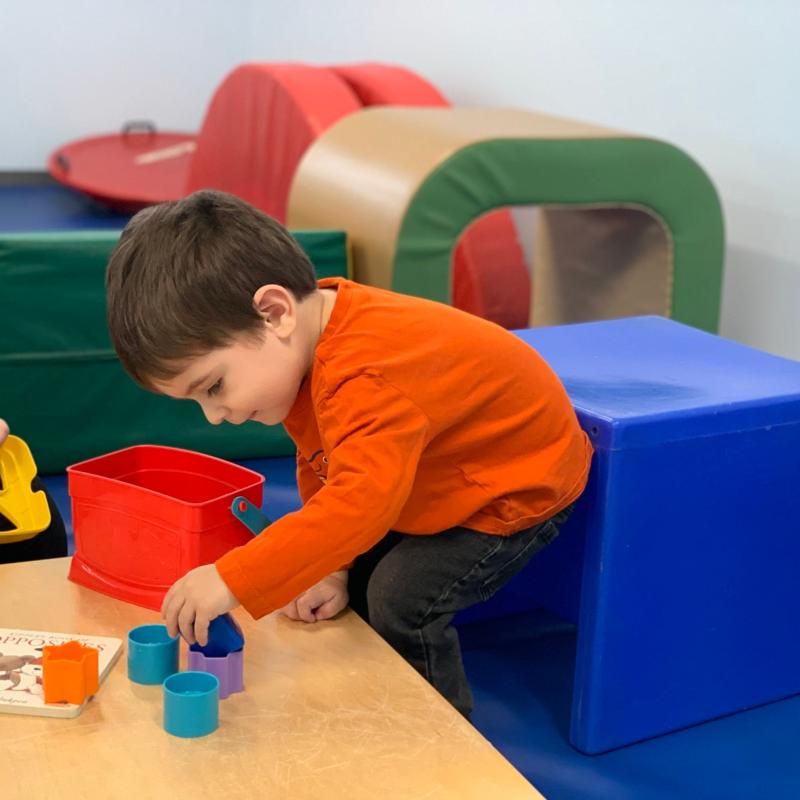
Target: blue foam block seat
column 679, row 565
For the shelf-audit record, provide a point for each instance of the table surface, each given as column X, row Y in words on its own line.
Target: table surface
column 329, row 710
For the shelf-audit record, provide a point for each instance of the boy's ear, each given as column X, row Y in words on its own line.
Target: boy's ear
column 278, row 309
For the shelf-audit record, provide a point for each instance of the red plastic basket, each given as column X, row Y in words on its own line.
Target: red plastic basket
column 146, row 515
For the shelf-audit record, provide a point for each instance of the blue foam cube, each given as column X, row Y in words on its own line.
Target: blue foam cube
column 680, row 563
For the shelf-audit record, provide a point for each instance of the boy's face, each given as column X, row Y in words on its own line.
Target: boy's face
column 255, row 377
column 248, row 380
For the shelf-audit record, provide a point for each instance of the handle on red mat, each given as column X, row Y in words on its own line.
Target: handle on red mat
column 139, row 126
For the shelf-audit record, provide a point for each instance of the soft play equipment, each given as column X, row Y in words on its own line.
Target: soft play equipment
column 490, row 276
column 406, row 182
column 679, row 563
column 61, row 386
column 378, row 84
column 259, row 123
column 131, row 170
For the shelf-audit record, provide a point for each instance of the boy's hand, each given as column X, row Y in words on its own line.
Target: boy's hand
column 3, row 431
column 193, row 601
column 322, row 601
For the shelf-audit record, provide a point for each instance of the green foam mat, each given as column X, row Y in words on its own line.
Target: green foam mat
column 62, row 388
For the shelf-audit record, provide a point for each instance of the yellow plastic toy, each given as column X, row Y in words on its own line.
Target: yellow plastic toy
column 26, row 510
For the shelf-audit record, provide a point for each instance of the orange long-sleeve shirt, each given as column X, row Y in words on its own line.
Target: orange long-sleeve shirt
column 415, row 417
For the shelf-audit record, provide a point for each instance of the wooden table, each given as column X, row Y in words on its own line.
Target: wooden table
column 330, row 711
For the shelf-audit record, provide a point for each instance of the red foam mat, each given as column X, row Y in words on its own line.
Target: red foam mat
column 128, row 170
column 388, row 85
column 259, row 123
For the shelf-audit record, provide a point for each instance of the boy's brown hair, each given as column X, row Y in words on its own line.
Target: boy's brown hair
column 181, row 280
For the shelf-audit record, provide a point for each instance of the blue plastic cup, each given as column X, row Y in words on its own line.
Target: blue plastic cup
column 191, row 704
column 152, row 654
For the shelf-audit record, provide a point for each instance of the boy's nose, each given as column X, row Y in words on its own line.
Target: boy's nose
column 216, row 416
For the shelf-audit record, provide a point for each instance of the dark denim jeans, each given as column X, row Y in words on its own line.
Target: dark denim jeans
column 409, row 588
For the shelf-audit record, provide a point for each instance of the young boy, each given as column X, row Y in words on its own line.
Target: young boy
column 437, row 453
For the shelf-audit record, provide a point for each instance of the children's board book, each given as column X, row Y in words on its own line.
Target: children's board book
column 21, row 669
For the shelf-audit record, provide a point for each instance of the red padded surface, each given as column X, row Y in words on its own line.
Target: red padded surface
column 126, row 171
column 261, row 120
column 388, row 85
column 490, row 273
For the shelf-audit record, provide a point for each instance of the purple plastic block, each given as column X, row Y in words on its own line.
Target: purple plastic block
column 229, row 670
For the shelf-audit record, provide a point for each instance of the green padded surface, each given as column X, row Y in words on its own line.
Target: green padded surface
column 61, row 386
column 650, row 174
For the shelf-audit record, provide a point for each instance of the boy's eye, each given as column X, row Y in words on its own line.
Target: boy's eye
column 212, row 390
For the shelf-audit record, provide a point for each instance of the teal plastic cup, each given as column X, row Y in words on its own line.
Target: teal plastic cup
column 152, row 654
column 191, row 704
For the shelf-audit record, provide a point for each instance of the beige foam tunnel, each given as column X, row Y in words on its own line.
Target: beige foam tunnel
column 631, row 225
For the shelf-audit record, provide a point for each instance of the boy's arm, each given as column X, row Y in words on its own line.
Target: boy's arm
column 316, row 603
column 308, row 482
column 372, row 465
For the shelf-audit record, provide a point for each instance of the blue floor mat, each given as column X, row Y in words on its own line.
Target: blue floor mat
column 520, row 669
column 53, row 208
column 280, row 486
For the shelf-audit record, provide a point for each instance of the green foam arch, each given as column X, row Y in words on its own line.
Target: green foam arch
column 635, row 172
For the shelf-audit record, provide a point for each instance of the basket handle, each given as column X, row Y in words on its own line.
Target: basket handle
column 248, row 514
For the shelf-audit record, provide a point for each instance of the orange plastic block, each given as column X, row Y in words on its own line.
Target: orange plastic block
column 70, row 673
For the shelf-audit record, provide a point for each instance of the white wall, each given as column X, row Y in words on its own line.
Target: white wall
column 719, row 78
column 84, row 67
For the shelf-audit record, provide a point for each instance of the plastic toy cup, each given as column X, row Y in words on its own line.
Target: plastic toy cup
column 228, row 669
column 191, row 704
column 152, row 654
column 224, row 636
